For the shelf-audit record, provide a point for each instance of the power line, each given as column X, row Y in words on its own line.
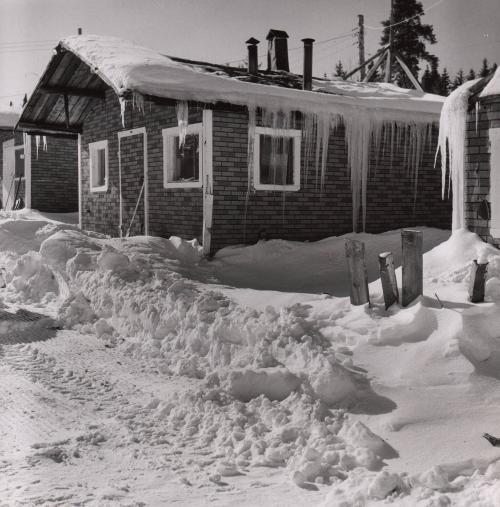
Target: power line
column 405, row 20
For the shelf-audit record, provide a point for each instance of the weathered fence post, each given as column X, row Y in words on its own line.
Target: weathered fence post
column 355, row 254
column 477, row 281
column 413, row 278
column 388, row 277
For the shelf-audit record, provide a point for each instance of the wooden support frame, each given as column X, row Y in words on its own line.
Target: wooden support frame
column 77, row 92
column 121, row 135
column 357, row 69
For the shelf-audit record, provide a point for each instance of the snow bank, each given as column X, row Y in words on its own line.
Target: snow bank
column 278, row 387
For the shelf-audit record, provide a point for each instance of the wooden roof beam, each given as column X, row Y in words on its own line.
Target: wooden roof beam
column 76, row 92
column 48, row 128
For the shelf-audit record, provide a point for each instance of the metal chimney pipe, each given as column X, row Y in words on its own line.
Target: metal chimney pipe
column 253, row 60
column 308, row 64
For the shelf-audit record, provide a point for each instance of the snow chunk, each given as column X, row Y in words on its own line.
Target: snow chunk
column 274, row 383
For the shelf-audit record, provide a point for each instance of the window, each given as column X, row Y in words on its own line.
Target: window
column 19, row 161
column 182, row 164
column 98, row 153
column 276, row 159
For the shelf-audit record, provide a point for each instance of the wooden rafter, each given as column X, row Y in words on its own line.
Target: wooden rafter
column 77, row 92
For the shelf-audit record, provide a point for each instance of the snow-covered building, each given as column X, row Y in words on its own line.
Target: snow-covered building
column 40, row 172
column 169, row 146
column 470, row 136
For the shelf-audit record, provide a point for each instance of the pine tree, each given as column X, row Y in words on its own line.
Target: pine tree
column 445, row 84
column 409, row 39
column 471, row 75
column 339, row 70
column 459, row 80
column 431, row 79
column 485, row 70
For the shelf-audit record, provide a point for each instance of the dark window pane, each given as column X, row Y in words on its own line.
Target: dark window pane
column 19, row 163
column 100, row 170
column 276, row 160
column 186, row 159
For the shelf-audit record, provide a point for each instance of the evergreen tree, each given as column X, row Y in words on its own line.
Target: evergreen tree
column 409, row 39
column 339, row 70
column 471, row 75
column 485, row 70
column 426, row 79
column 445, row 83
column 459, row 79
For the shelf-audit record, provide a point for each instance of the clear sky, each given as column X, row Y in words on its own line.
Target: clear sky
column 215, row 30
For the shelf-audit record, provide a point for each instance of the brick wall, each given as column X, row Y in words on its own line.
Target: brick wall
column 312, row 214
column 176, row 212
column 16, row 187
column 54, row 175
column 477, row 165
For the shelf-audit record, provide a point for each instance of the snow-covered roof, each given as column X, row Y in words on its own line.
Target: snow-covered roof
column 126, row 68
column 493, row 86
column 9, row 116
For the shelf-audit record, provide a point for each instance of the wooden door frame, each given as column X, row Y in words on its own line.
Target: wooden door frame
column 121, row 135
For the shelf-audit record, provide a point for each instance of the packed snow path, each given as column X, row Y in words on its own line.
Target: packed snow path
column 76, row 429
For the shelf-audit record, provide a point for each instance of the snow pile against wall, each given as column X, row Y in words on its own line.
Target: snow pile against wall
column 452, row 147
column 493, row 86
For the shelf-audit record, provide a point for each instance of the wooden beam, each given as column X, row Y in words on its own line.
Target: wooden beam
column 378, row 63
column 77, row 92
column 408, row 72
column 48, row 128
column 66, row 109
column 378, row 53
column 355, row 254
column 477, row 281
column 412, row 269
column 388, row 278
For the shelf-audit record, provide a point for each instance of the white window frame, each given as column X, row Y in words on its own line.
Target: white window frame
column 93, row 148
column 20, row 147
column 169, row 135
column 294, row 134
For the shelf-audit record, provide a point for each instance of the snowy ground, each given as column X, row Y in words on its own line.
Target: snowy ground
column 133, row 373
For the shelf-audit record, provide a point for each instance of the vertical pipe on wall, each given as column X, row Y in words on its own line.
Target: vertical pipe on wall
column 80, row 204
column 207, row 175
column 120, row 223
column 146, row 191
column 27, row 170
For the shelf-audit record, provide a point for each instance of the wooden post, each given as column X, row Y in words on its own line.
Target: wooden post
column 388, row 277
column 477, row 281
column 361, row 46
column 413, row 278
column 355, row 254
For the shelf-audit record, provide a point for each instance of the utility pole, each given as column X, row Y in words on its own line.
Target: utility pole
column 361, row 45
column 388, row 68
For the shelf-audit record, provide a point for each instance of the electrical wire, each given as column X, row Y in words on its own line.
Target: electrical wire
column 380, row 28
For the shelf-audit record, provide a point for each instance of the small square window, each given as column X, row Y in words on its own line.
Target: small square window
column 182, row 164
column 277, row 159
column 19, row 161
column 98, row 153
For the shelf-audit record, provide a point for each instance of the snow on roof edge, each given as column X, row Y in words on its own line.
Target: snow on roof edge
column 126, row 67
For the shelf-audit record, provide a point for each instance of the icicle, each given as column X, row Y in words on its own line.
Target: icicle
column 252, row 121
column 138, row 101
column 37, row 142
column 477, row 114
column 182, row 111
column 123, row 107
column 44, row 141
column 451, row 145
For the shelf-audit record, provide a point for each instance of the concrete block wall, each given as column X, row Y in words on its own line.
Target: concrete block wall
column 477, row 165
column 311, row 214
column 54, row 175
column 176, row 212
